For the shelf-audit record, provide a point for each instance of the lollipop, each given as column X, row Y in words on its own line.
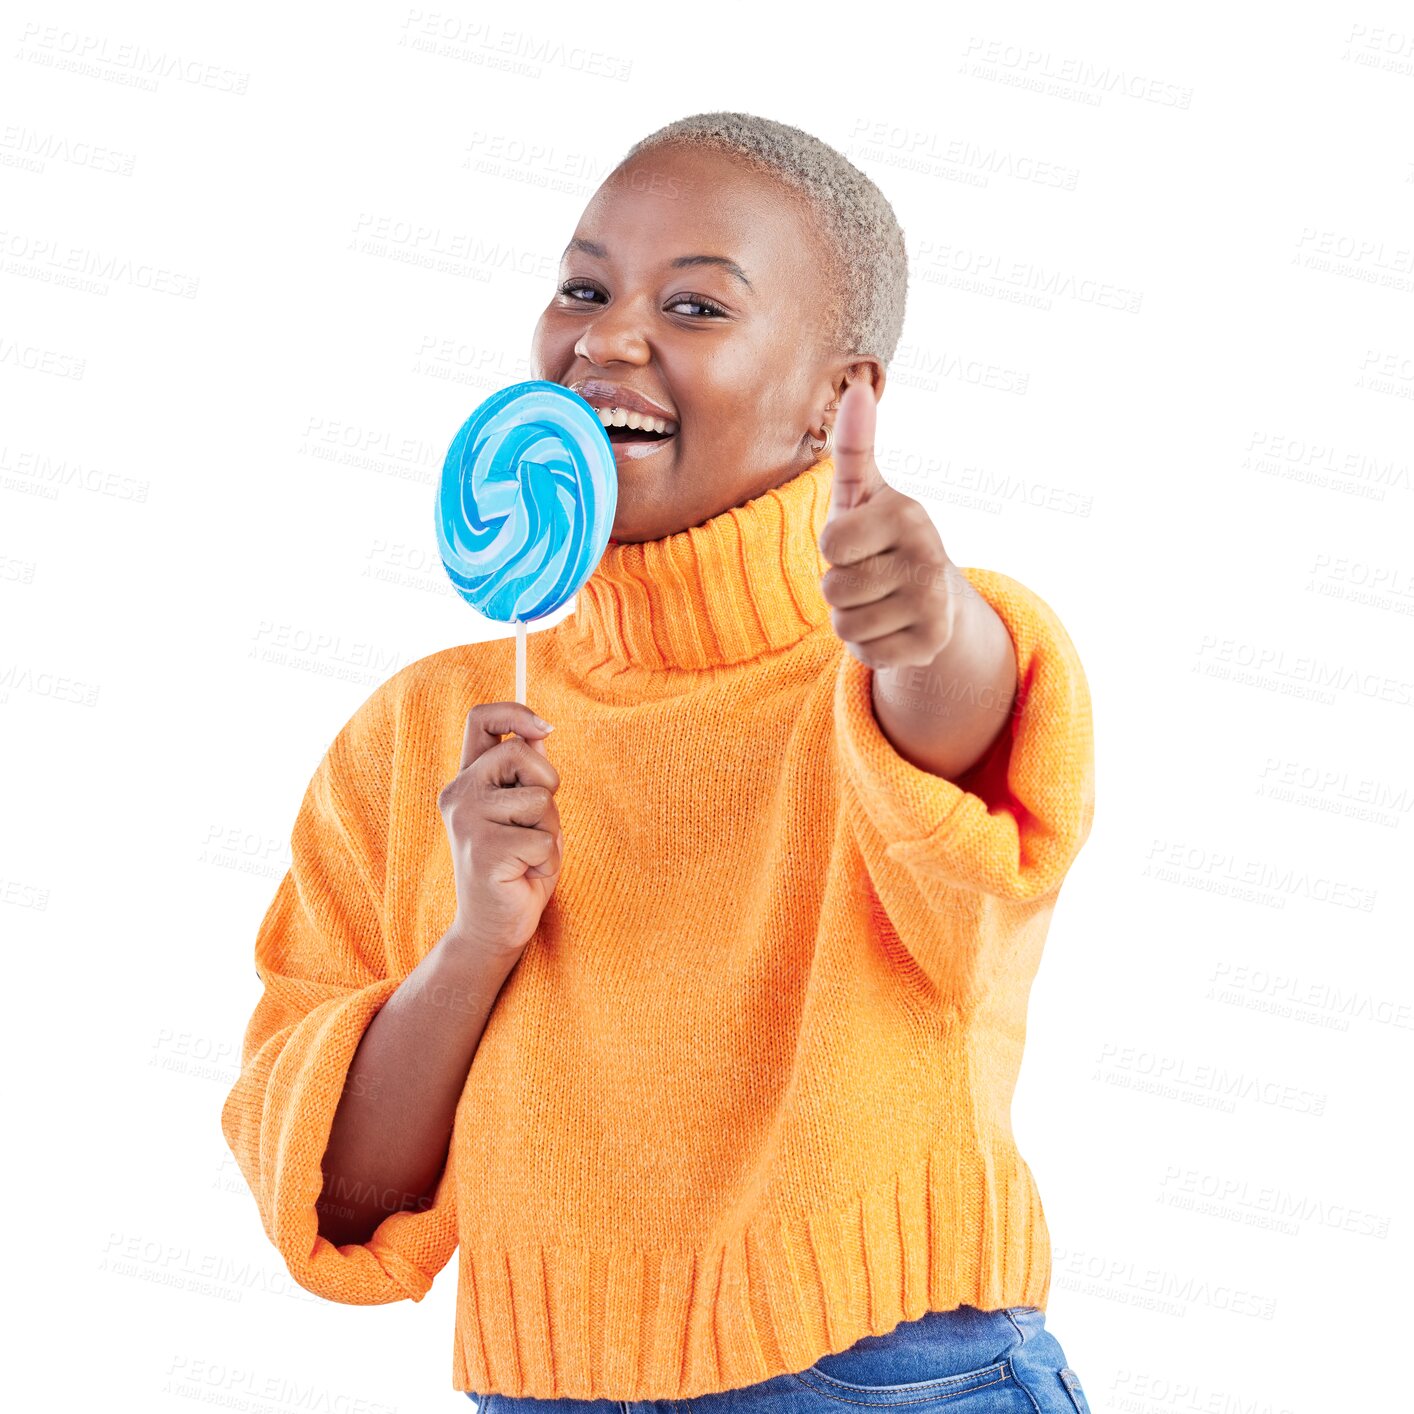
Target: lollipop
column 526, row 504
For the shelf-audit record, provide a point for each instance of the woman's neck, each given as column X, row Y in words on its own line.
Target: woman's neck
column 744, row 583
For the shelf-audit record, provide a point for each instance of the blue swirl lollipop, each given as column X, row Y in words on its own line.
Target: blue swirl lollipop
column 526, row 504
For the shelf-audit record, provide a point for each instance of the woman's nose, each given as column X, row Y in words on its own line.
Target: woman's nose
column 615, row 336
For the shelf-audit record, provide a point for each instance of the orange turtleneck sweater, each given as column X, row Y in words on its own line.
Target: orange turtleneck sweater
column 745, row 1098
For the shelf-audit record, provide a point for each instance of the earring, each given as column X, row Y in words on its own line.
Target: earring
column 822, row 452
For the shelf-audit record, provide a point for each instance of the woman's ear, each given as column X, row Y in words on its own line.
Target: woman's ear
column 869, row 370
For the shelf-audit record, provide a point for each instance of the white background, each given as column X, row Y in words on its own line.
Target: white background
column 1158, row 365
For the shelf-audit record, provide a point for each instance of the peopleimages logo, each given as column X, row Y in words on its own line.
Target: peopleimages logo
column 1064, row 76
column 57, row 262
column 99, row 56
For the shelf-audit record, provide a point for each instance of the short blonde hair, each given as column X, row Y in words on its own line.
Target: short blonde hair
column 855, row 219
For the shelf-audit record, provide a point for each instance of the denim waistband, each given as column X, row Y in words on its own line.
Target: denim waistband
column 938, row 1343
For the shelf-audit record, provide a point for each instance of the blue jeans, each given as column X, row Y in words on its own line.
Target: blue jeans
column 963, row 1361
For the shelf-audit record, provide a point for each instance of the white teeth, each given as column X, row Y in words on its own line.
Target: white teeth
column 617, row 417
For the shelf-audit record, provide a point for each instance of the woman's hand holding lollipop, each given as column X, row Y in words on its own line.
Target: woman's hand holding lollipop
column 503, row 827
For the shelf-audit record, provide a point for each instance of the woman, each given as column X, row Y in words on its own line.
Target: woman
column 699, row 1040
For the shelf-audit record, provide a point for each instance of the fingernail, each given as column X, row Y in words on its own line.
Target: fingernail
column 541, row 722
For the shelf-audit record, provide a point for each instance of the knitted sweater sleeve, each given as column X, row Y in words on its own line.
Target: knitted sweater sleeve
column 321, row 958
column 959, row 871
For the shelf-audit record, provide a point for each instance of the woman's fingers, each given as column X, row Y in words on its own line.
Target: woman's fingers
column 487, row 723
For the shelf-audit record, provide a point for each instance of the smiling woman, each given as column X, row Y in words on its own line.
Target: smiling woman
column 736, row 1114
column 730, row 277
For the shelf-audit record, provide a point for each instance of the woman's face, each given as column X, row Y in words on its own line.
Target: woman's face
column 732, row 348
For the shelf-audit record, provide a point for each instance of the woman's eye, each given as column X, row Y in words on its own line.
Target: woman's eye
column 576, row 290
column 573, row 286
column 715, row 311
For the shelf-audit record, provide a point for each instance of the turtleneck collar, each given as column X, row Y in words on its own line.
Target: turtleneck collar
column 743, row 583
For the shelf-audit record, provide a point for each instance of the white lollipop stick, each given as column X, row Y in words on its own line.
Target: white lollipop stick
column 520, row 661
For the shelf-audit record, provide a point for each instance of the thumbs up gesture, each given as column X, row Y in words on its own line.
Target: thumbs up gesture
column 894, row 594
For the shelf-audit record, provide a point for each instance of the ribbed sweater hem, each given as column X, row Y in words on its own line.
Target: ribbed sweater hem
column 606, row 1322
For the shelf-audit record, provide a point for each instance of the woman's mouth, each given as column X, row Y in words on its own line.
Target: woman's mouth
column 634, row 435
